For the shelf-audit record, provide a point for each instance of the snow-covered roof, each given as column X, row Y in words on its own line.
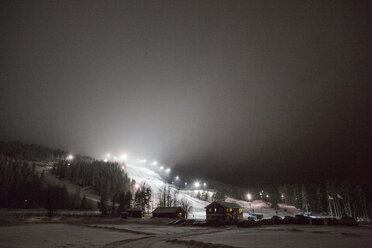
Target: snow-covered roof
column 225, row 204
column 167, row 210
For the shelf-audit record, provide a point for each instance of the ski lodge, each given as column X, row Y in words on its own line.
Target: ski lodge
column 224, row 211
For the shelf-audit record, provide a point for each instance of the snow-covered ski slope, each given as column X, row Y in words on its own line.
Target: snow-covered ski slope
column 149, row 175
column 143, row 174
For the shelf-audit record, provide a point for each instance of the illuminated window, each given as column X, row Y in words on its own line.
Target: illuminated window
column 240, row 211
column 230, row 209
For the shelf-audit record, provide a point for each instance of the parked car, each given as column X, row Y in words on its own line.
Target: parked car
column 276, row 220
column 288, row 220
column 200, row 223
column 188, row 222
column 347, row 221
column 248, row 223
column 303, row 220
column 266, row 222
column 317, row 221
column 331, row 221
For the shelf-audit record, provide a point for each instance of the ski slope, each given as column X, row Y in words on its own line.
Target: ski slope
column 151, row 176
column 144, row 174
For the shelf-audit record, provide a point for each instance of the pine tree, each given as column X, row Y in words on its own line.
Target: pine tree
column 304, row 198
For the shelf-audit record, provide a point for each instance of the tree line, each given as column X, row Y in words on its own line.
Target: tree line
column 21, row 186
column 331, row 198
column 30, row 152
column 107, row 179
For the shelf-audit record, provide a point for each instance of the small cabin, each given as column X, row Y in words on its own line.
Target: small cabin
column 224, row 211
column 169, row 212
column 132, row 212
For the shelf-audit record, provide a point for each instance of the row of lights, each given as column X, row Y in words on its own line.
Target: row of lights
column 197, row 184
column 124, row 157
column 249, row 196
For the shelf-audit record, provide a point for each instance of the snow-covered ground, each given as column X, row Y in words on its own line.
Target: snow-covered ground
column 161, row 236
column 150, row 175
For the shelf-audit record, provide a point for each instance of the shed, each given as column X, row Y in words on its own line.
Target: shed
column 132, row 212
column 169, row 212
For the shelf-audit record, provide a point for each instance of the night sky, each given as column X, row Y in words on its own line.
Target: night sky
column 245, row 92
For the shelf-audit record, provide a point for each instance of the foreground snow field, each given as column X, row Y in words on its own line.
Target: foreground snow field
column 149, row 235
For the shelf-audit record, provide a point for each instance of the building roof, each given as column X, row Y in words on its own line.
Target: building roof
column 225, row 204
column 164, row 210
column 132, row 210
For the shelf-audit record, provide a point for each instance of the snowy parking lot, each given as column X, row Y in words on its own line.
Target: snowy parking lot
column 152, row 235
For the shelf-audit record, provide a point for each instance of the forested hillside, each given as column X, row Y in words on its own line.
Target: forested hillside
column 22, row 187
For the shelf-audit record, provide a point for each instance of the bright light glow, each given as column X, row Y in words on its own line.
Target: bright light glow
column 204, row 184
column 197, row 184
column 136, row 186
column 186, row 183
column 108, row 155
column 249, row 196
column 161, row 167
column 267, row 196
column 282, row 196
column 105, row 160
column 167, row 170
column 177, row 177
column 70, row 157
column 154, row 163
column 260, row 193
column 124, row 156
column 123, row 167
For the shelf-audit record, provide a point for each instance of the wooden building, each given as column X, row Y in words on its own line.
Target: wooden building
column 132, row 212
column 169, row 212
column 224, row 211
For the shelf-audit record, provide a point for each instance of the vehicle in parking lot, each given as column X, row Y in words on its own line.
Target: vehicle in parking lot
column 248, row 223
column 331, row 221
column 288, row 220
column 276, row 220
column 317, row 221
column 301, row 219
column 347, row 221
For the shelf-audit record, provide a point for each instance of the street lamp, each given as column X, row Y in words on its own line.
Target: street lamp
column 197, row 184
column 177, row 177
column 249, row 196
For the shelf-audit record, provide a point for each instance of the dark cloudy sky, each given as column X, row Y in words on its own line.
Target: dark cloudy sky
column 246, row 92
